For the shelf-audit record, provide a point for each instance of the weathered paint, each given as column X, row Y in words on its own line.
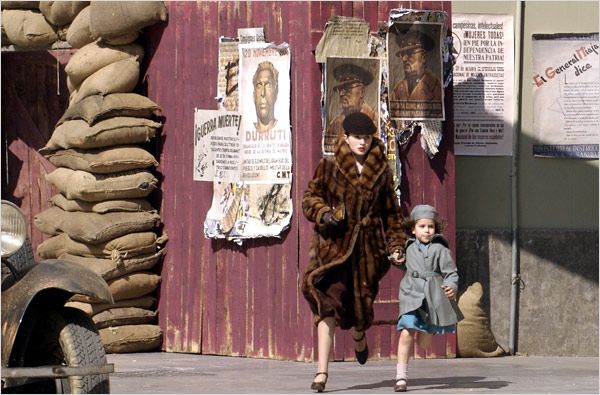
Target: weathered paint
column 216, row 297
column 246, row 300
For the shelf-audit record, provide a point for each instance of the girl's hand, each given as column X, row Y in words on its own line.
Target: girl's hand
column 397, row 258
column 449, row 292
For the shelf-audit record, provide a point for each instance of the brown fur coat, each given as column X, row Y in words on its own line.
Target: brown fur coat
column 371, row 228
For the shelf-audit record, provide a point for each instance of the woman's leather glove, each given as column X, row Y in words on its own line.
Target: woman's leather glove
column 328, row 219
column 397, row 258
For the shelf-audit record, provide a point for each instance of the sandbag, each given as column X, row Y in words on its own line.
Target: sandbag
column 474, row 337
column 93, row 228
column 78, row 33
column 96, row 108
column 79, row 184
column 115, row 131
column 105, row 206
column 123, row 247
column 60, row 13
column 124, row 316
column 104, row 160
column 20, row 5
column 117, row 77
column 109, row 269
column 28, row 29
column 112, row 19
column 129, row 286
column 131, row 338
column 145, row 302
column 133, row 285
column 96, row 55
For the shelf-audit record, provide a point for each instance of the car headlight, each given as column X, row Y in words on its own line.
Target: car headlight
column 14, row 228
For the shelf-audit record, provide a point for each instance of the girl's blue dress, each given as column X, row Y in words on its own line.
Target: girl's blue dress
column 413, row 320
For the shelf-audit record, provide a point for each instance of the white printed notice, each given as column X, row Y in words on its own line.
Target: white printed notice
column 483, row 84
column 216, row 145
column 566, row 95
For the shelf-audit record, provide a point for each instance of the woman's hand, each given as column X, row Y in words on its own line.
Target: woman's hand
column 449, row 291
column 397, row 258
column 328, row 219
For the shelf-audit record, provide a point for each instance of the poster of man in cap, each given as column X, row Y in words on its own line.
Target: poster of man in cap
column 415, row 71
column 352, row 84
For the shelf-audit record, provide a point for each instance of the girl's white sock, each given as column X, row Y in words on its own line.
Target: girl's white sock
column 401, row 371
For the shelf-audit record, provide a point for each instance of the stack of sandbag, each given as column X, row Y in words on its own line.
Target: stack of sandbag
column 40, row 24
column 101, row 217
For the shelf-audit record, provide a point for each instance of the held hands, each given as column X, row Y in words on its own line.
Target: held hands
column 397, row 258
column 449, row 292
column 328, row 219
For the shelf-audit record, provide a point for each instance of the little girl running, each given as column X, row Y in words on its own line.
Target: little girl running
column 427, row 291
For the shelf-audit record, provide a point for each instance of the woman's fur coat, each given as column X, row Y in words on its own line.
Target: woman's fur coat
column 371, row 211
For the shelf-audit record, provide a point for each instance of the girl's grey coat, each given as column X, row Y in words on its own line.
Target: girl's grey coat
column 426, row 272
column 371, row 229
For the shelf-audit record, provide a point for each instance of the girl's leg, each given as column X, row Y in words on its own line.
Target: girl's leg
column 325, row 332
column 424, row 339
column 405, row 343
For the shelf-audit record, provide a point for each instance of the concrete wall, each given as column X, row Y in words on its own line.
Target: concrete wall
column 557, row 208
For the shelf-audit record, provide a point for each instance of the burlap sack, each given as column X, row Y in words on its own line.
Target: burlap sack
column 113, row 19
column 117, row 77
column 105, row 206
column 20, row 5
column 79, row 184
column 104, row 160
column 96, row 108
column 145, row 302
column 78, row 33
column 60, row 13
column 474, row 338
column 96, row 55
column 131, row 338
column 124, row 316
column 110, row 132
column 28, row 29
column 93, row 228
column 123, row 247
column 109, row 269
column 133, row 285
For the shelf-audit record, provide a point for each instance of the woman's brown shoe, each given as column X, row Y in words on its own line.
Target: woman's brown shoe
column 361, row 356
column 319, row 386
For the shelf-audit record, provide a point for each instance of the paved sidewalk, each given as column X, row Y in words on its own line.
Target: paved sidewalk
column 173, row 373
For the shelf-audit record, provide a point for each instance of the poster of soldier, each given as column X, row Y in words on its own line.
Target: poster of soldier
column 415, row 71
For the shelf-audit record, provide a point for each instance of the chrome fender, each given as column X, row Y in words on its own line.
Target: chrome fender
column 50, row 274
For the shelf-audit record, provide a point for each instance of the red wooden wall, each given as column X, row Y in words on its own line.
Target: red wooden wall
column 217, row 297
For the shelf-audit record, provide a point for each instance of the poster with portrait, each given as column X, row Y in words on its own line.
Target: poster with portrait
column 351, row 84
column 260, row 204
column 265, row 107
column 415, row 67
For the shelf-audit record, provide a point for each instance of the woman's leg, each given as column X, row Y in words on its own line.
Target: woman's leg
column 325, row 332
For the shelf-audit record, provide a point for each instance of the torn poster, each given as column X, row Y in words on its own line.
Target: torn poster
column 260, row 204
column 343, row 37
